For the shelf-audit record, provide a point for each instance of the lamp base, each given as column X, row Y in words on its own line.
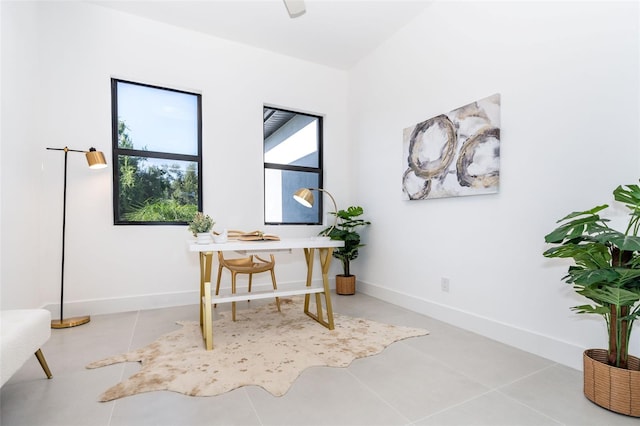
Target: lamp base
column 70, row 322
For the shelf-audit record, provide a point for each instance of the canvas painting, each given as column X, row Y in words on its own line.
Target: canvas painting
column 453, row 154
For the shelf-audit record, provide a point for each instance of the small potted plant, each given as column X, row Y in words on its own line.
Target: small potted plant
column 345, row 230
column 606, row 271
column 201, row 226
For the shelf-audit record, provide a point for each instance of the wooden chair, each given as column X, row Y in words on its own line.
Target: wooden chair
column 246, row 265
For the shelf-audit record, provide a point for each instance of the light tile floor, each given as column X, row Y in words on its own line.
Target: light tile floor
column 450, row 377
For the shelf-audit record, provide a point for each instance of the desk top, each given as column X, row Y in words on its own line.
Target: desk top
column 283, row 244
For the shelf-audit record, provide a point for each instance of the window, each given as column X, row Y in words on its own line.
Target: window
column 157, row 154
column 292, row 160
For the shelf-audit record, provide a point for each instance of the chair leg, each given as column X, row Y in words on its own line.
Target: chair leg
column 250, row 282
column 275, row 287
column 43, row 363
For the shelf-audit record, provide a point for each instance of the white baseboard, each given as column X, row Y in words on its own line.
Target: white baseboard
column 124, row 304
column 544, row 346
column 139, row 303
column 526, row 340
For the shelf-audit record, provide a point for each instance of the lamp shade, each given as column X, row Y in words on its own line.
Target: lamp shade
column 96, row 159
column 304, row 196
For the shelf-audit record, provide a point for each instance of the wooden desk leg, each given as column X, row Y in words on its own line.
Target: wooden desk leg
column 325, row 262
column 308, row 257
column 205, row 311
column 205, row 276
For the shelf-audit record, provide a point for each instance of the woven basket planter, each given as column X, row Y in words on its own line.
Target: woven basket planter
column 345, row 285
column 613, row 388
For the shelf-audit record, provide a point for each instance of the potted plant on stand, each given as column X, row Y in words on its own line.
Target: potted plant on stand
column 606, row 270
column 201, row 226
column 345, row 230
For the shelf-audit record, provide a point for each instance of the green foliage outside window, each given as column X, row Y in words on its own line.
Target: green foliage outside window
column 150, row 191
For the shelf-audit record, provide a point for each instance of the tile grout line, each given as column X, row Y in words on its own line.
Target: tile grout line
column 124, row 365
column 253, row 407
column 492, row 389
column 540, row 370
column 458, row 404
column 489, row 390
column 377, row 395
column 499, row 390
column 530, row 408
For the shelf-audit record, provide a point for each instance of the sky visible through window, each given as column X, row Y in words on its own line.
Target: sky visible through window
column 159, row 120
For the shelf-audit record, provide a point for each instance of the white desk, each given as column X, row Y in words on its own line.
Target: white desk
column 309, row 245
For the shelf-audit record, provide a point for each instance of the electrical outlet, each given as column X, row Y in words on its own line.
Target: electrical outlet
column 444, row 284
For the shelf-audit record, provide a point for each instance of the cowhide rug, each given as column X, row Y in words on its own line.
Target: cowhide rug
column 263, row 347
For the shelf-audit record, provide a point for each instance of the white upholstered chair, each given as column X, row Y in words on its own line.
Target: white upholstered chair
column 22, row 334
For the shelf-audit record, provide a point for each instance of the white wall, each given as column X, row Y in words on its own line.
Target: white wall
column 79, row 47
column 568, row 74
column 20, row 227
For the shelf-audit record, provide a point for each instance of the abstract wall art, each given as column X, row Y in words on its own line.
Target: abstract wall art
column 453, row 154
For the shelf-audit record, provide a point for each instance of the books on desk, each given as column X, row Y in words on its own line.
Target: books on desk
column 252, row 236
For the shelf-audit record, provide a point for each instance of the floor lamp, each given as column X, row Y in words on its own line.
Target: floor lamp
column 305, row 197
column 96, row 160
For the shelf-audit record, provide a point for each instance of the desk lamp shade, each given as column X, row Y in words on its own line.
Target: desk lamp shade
column 305, row 197
column 96, row 159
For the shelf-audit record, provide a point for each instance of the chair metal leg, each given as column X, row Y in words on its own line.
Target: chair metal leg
column 43, row 363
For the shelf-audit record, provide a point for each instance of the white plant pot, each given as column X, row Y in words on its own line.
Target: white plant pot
column 203, row 238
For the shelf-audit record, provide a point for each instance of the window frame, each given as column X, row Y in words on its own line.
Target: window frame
column 319, row 171
column 116, row 151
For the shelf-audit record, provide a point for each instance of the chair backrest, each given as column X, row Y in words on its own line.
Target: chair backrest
column 247, row 265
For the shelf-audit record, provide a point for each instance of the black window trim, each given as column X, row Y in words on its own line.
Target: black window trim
column 115, row 151
column 318, row 195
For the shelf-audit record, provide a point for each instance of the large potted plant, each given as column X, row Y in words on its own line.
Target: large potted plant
column 345, row 230
column 606, row 270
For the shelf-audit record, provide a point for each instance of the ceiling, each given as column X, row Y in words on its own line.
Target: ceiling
column 335, row 33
